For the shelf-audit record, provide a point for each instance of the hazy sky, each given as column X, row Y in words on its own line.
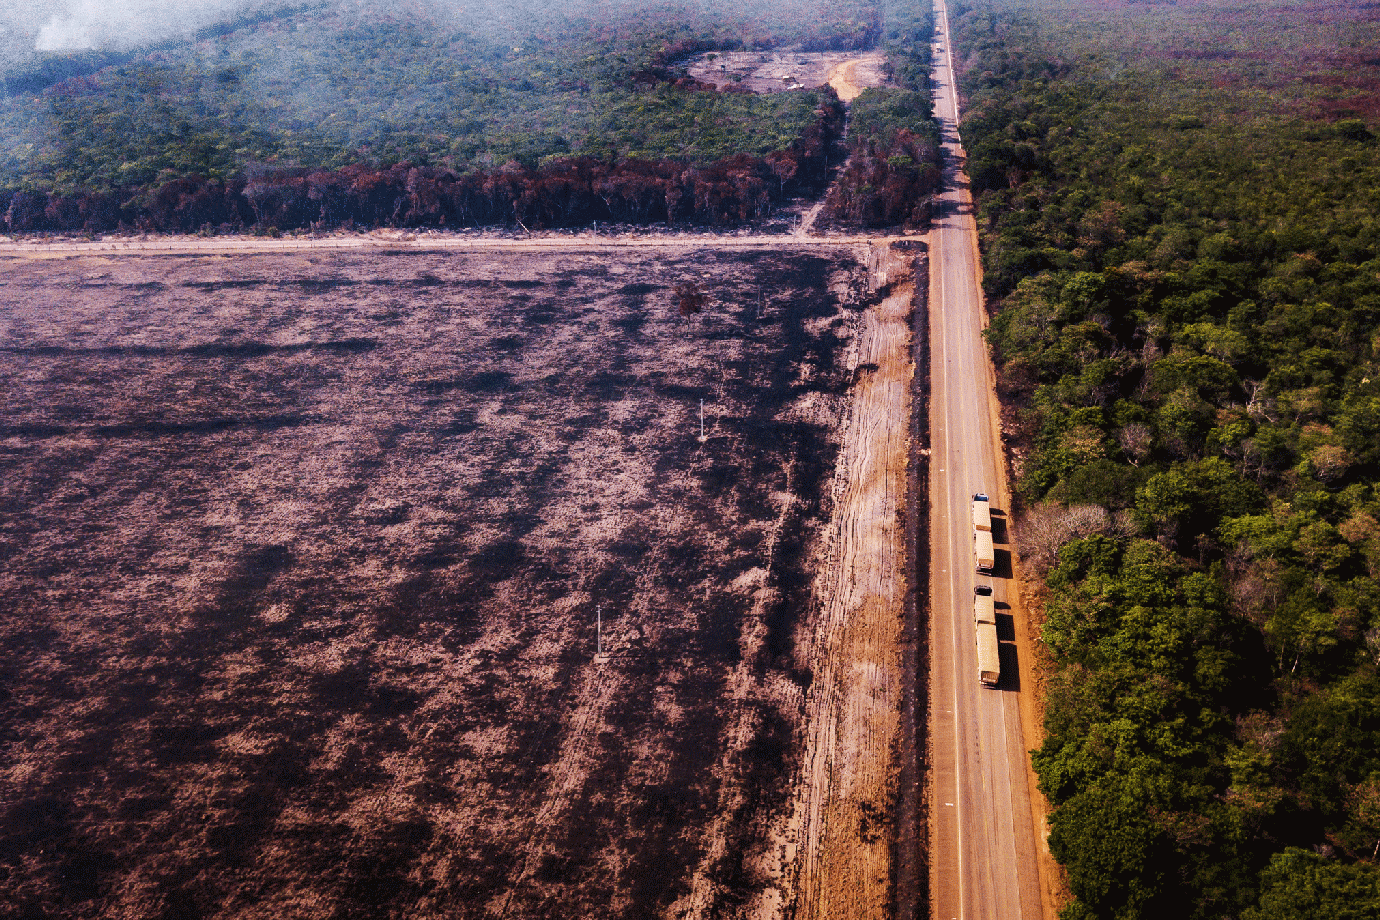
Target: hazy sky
column 31, row 26
column 27, row 26
column 70, row 25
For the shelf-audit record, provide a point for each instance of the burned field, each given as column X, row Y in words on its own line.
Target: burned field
column 301, row 562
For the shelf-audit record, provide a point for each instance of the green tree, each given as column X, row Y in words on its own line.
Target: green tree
column 1299, row 884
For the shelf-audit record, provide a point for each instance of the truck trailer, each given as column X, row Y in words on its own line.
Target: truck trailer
column 985, row 622
column 983, row 551
column 984, row 608
column 988, row 655
column 982, row 512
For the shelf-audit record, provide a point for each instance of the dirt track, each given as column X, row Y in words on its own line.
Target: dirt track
column 398, row 242
column 844, row 809
column 853, row 76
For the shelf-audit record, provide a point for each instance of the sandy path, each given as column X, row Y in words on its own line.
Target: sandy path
column 846, row 793
column 851, row 77
column 807, row 220
column 555, row 243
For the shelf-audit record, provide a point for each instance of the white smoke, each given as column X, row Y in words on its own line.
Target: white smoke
column 66, row 33
column 78, row 25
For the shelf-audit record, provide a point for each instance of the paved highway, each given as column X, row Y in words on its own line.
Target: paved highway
column 983, row 842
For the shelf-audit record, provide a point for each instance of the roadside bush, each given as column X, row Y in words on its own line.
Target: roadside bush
column 1184, row 334
column 1042, row 530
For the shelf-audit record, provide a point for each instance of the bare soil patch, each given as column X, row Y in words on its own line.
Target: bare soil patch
column 779, row 71
column 857, row 748
column 301, row 559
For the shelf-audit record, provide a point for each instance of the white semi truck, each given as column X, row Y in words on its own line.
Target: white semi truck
column 982, row 533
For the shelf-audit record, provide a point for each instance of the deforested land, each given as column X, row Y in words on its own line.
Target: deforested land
column 557, row 569
column 304, row 560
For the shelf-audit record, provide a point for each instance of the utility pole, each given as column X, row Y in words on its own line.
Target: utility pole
column 702, row 437
column 599, row 632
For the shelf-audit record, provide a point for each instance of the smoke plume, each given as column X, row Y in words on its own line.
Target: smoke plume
column 80, row 25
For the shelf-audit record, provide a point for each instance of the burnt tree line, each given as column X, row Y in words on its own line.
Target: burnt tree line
column 559, row 192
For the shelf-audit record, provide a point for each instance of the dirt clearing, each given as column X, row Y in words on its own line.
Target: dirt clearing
column 777, row 71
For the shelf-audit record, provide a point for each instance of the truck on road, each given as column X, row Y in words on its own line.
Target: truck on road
column 988, row 650
column 982, row 512
column 983, row 551
column 984, row 608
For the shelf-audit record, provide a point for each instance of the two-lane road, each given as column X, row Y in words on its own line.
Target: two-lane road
column 983, row 843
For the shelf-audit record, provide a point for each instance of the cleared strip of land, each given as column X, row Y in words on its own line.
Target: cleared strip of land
column 848, row 790
column 425, row 242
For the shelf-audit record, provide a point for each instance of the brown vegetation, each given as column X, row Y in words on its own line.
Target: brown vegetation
column 564, row 192
column 1049, row 525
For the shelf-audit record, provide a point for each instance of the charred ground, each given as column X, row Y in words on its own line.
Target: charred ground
column 301, row 561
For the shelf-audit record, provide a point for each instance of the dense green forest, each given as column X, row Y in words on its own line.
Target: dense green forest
column 1179, row 207
column 325, row 109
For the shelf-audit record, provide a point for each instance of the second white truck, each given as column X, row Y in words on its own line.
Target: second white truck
column 984, row 553
column 982, row 511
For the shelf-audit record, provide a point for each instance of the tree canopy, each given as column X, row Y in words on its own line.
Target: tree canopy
column 1182, row 254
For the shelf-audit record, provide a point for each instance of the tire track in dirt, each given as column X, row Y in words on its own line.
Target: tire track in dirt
column 743, row 684
column 575, row 764
column 842, row 818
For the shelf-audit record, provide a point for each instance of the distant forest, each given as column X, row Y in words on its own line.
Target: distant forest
column 329, row 115
column 1180, row 215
